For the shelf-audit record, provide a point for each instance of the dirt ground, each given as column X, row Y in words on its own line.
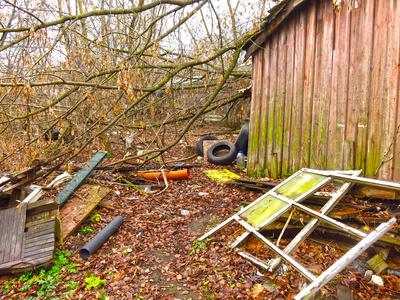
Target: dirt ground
column 155, row 253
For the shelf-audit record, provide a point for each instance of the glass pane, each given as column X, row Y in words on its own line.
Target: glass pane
column 300, row 184
column 262, row 210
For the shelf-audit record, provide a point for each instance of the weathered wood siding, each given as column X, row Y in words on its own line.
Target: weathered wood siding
column 326, row 92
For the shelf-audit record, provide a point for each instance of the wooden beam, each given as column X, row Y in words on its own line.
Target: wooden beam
column 78, row 180
column 77, row 209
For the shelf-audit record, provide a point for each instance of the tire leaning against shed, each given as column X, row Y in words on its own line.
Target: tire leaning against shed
column 242, row 140
column 199, row 146
column 222, row 153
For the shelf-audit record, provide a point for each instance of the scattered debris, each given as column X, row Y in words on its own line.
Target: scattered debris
column 170, row 175
column 377, row 280
column 185, row 212
column 377, row 264
column 221, row 175
column 287, row 196
column 58, row 180
column 51, row 135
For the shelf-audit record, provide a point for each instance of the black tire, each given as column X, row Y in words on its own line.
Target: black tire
column 242, row 141
column 199, row 147
column 222, row 153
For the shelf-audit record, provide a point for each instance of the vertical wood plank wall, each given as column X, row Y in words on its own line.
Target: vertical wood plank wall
column 326, row 92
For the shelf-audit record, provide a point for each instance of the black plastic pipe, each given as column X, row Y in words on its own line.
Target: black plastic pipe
column 99, row 239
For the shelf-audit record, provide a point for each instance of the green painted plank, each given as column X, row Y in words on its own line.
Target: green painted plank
column 79, row 179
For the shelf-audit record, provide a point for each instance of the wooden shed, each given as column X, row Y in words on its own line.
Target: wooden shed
column 326, row 89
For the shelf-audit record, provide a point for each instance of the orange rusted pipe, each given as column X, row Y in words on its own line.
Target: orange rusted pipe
column 171, row 175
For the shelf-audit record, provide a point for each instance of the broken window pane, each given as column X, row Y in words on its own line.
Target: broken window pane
column 263, row 210
column 300, row 184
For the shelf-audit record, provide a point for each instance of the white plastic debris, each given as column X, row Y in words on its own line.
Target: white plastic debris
column 129, row 140
column 185, row 212
column 377, row 280
column 59, row 179
column 368, row 273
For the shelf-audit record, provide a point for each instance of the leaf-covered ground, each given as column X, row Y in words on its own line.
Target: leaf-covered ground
column 155, row 253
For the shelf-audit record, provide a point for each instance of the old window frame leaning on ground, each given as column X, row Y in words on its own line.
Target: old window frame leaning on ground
column 287, row 196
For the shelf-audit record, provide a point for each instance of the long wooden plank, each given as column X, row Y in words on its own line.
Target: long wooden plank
column 322, row 85
column 376, row 120
column 2, row 225
column 362, row 22
column 262, row 151
column 309, row 77
column 298, row 90
column 396, row 87
column 34, row 251
column 8, row 232
column 258, row 71
column 288, row 100
column 391, row 132
column 39, row 229
column 39, row 259
column 79, row 178
column 317, row 101
column 77, row 209
column 39, row 240
column 362, row 148
column 279, row 122
column 252, row 159
column 352, row 104
column 17, row 242
column 271, row 156
column 41, row 206
column 22, row 266
column 42, row 217
column 339, row 90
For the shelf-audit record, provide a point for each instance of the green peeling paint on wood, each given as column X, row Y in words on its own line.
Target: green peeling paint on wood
column 79, row 179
